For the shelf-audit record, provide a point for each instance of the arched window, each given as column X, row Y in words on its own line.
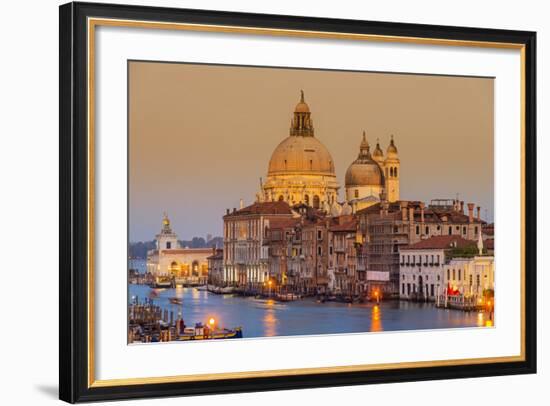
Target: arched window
column 356, row 193
column 395, row 172
column 281, row 198
column 316, row 202
column 168, row 245
column 174, row 268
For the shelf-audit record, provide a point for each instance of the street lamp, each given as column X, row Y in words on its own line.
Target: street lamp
column 377, row 296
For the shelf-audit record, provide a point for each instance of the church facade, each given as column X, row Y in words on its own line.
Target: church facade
column 170, row 264
column 301, row 171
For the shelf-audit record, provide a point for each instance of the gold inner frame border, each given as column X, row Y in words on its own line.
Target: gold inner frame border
column 95, row 22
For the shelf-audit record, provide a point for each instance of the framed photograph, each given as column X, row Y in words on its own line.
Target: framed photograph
column 258, row 202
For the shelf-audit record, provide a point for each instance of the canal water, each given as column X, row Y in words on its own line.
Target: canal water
column 268, row 318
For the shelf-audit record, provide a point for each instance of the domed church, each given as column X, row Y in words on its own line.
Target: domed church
column 371, row 178
column 301, row 169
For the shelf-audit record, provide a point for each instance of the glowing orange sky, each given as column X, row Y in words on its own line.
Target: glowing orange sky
column 201, row 135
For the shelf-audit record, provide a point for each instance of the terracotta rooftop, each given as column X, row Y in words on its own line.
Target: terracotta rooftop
column 262, row 208
column 431, row 215
column 348, row 224
column 281, row 223
column 441, row 242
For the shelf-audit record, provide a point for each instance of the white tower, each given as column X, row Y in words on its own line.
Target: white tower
column 166, row 239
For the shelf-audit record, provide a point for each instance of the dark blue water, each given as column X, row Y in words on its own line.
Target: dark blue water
column 267, row 318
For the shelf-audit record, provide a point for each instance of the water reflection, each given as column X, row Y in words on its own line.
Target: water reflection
column 270, row 319
column 261, row 318
column 376, row 319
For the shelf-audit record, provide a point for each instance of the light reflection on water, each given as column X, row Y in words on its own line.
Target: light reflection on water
column 376, row 319
column 268, row 318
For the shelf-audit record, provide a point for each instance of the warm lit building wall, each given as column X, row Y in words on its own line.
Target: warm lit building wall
column 245, row 256
column 470, row 276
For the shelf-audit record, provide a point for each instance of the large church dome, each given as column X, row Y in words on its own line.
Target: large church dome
column 301, row 169
column 301, row 154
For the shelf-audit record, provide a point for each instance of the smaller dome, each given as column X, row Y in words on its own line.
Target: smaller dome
column 364, row 171
column 392, row 149
column 364, row 174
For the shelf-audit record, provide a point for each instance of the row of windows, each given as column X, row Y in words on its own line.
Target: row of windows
column 449, row 230
column 421, row 289
column 243, row 229
column 420, row 277
column 412, row 260
column 458, row 273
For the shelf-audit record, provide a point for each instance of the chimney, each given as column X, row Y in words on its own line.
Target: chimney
column 470, row 212
column 403, row 211
column 234, row 209
column 226, row 211
column 478, row 214
column 241, row 203
column 462, row 206
column 421, row 212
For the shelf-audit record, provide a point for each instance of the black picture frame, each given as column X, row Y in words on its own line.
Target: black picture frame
column 73, row 283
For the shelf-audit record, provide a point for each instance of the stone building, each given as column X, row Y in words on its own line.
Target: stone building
column 301, row 169
column 246, row 260
column 308, row 263
column 386, row 227
column 169, row 263
column 422, row 264
column 343, row 276
column 469, row 279
column 215, row 267
column 279, row 245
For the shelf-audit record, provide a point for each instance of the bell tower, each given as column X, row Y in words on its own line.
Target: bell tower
column 166, row 239
column 392, row 172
